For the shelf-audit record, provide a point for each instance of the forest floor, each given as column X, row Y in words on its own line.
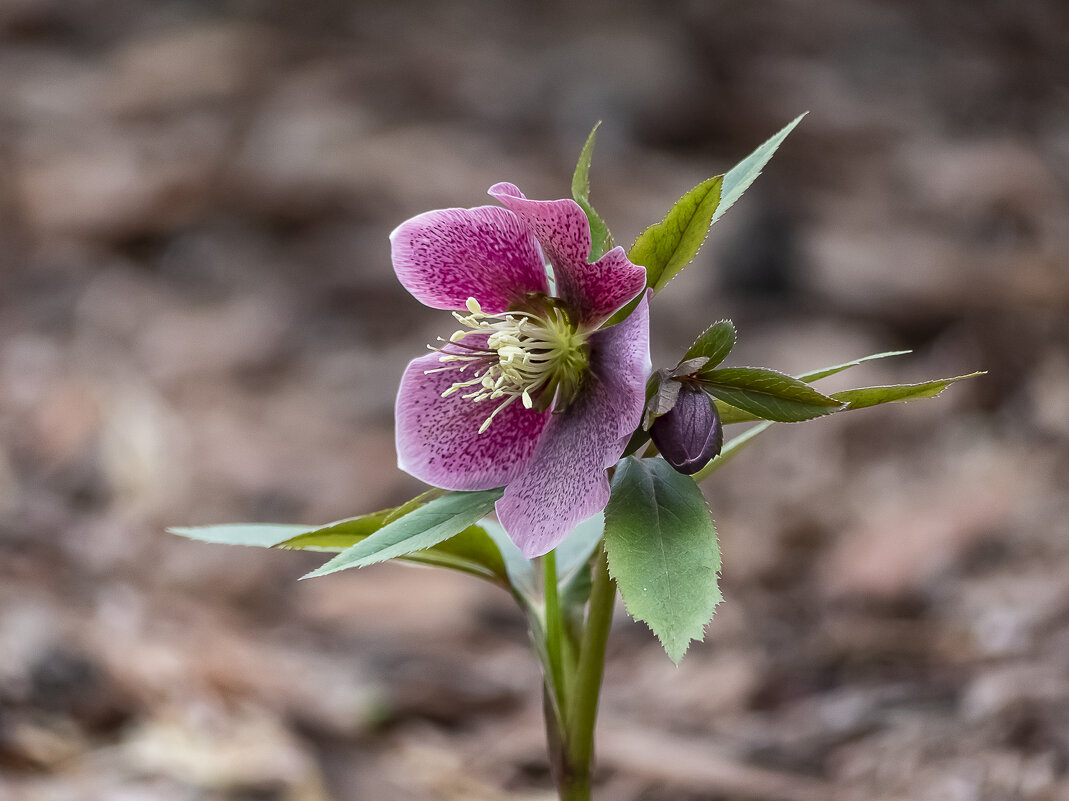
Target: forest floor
column 199, row 323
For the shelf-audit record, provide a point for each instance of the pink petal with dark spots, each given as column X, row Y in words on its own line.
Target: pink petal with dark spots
column 438, row 439
column 565, row 480
column 444, row 257
column 592, row 292
column 607, row 284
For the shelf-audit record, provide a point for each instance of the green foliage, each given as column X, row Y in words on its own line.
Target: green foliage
column 662, row 551
column 732, row 448
column 430, row 524
column 824, row 372
column 767, row 394
column 261, row 535
column 852, row 398
column 667, row 247
column 336, row 537
column 714, row 344
column 471, row 551
column 739, row 178
column 600, row 238
column 574, row 553
column 894, row 393
column 849, row 399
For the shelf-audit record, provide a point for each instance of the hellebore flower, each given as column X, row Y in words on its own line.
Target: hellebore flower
column 529, row 394
column 689, row 434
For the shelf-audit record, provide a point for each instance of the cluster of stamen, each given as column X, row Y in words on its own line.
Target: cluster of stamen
column 528, row 356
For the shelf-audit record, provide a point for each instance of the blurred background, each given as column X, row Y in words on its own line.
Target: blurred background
column 199, row 323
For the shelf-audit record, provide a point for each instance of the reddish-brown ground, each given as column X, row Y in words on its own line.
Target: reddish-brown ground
column 199, row 323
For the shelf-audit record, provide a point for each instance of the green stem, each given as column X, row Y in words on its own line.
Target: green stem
column 583, row 708
column 554, row 632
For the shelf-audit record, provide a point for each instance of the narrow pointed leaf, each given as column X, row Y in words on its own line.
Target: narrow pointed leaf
column 714, row 343
column 471, row 551
column 732, row 448
column 339, row 535
column 575, row 551
column 667, row 247
column 519, row 569
column 422, row 528
column 261, row 535
column 730, row 414
column 600, row 238
column 768, row 394
column 739, row 178
column 816, row 375
column 873, row 396
column 662, row 551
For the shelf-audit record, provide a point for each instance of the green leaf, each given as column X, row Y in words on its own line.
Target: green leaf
column 518, row 568
column 471, row 551
column 729, row 414
column 767, row 394
column 816, row 375
column 714, row 343
column 662, row 551
column 894, row 393
column 422, row 528
column 600, row 238
column 667, row 247
column 337, row 536
column 345, row 533
column 739, row 178
column 262, row 535
column 732, row 448
column 573, row 574
column 577, row 548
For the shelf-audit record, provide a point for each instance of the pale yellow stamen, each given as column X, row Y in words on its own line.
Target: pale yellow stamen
column 525, row 353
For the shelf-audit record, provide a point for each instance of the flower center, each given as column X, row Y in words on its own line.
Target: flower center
column 537, row 356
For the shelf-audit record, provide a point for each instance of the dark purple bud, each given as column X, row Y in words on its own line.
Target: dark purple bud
column 690, row 434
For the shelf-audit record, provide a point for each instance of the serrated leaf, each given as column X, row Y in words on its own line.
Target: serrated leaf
column 739, row 178
column 422, row 528
column 261, row 535
column 662, row 551
column 667, row 247
column 768, row 394
column 873, row 396
column 729, row 414
column 714, row 343
column 600, row 238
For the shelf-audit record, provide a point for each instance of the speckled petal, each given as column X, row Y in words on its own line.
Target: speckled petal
column 591, row 291
column 438, row 440
column 565, row 481
column 444, row 257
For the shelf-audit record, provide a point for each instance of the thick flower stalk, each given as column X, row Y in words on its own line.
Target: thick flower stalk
column 530, row 393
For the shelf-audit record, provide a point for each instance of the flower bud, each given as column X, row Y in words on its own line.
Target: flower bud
column 690, row 434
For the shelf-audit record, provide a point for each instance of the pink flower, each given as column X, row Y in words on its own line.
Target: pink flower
column 531, row 393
